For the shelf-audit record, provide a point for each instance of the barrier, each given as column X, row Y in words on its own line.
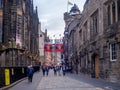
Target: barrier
column 9, row 75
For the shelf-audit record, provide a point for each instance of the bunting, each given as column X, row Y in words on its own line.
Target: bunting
column 59, row 47
column 47, row 47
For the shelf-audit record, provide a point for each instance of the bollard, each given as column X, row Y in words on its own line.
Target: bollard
column 7, row 77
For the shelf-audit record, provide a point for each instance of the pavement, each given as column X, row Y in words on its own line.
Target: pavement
column 67, row 82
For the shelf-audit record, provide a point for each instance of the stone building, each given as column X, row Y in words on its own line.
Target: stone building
column 98, row 40
column 19, row 45
column 41, row 44
column 72, row 20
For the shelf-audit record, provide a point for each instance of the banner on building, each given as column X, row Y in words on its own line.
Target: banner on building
column 47, row 47
column 59, row 47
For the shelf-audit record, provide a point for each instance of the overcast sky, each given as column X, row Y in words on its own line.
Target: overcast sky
column 51, row 12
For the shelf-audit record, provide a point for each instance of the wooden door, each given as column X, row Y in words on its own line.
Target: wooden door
column 96, row 66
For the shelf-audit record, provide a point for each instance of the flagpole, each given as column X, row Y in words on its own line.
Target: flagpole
column 67, row 5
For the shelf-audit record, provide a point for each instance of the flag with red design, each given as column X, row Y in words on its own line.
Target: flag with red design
column 47, row 47
column 59, row 47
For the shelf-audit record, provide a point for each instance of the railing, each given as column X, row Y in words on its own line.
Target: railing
column 9, row 75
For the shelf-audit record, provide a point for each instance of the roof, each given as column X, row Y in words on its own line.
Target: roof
column 75, row 10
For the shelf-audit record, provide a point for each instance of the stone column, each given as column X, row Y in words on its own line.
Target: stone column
column 116, row 11
column 111, row 14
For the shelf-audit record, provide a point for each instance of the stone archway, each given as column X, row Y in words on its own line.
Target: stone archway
column 95, row 65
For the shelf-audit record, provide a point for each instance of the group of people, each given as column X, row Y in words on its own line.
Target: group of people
column 56, row 69
column 45, row 70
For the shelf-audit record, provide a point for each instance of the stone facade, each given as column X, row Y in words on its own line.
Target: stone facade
column 41, row 44
column 71, row 37
column 20, row 43
column 97, row 40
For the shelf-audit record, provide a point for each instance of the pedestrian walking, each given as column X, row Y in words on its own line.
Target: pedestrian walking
column 63, row 69
column 59, row 69
column 30, row 72
column 47, row 70
column 43, row 70
column 55, row 70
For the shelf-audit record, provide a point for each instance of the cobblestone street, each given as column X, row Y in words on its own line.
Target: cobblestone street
column 52, row 82
column 63, row 83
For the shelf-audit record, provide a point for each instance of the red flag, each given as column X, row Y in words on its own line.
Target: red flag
column 47, row 47
column 59, row 47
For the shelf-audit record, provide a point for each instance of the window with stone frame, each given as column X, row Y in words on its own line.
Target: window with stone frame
column 80, row 34
column 85, row 31
column 94, row 25
column 113, row 11
column 113, row 52
column 108, row 15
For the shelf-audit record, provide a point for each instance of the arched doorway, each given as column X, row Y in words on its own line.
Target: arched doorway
column 95, row 65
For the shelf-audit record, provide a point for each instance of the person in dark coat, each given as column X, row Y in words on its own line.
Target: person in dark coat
column 43, row 70
column 63, row 69
column 30, row 72
column 55, row 70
